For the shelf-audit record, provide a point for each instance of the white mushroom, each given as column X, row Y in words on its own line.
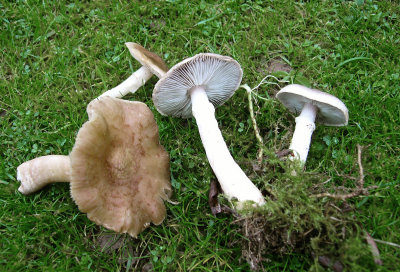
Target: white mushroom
column 313, row 105
column 152, row 64
column 194, row 87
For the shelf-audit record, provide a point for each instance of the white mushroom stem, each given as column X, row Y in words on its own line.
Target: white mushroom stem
column 303, row 131
column 37, row 173
column 131, row 84
column 231, row 177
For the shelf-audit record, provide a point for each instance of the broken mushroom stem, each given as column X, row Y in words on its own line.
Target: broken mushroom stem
column 39, row 172
column 131, row 84
column 231, row 177
column 152, row 64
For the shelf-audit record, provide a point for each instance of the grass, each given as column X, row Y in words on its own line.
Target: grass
column 57, row 57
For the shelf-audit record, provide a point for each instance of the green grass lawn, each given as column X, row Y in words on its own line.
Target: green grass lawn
column 56, row 56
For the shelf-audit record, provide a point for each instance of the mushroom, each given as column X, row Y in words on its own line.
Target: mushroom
column 313, row 105
column 118, row 171
column 152, row 64
column 195, row 87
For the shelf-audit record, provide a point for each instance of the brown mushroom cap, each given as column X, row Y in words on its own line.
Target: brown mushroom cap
column 148, row 59
column 119, row 171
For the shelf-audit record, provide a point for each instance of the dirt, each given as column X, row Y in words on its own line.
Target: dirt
column 273, row 65
column 157, row 24
column 122, row 245
column 297, row 219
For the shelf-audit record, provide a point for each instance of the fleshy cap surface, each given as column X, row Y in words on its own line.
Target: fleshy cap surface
column 331, row 110
column 148, row 59
column 119, row 171
column 219, row 75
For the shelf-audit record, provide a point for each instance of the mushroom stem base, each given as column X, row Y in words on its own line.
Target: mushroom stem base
column 231, row 177
column 131, row 84
column 37, row 173
column 303, row 132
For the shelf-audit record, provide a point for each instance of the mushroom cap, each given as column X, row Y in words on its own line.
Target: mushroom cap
column 219, row 75
column 331, row 110
column 148, row 59
column 119, row 171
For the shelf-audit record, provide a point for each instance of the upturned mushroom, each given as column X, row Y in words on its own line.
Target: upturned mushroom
column 313, row 106
column 118, row 171
column 152, row 64
column 195, row 87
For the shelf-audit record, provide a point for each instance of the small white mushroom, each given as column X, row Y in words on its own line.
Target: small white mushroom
column 196, row 86
column 313, row 106
column 152, row 64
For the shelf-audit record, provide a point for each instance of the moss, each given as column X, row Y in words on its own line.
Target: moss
column 294, row 220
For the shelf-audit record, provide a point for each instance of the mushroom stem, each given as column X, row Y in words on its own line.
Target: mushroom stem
column 37, row 173
column 131, row 84
column 231, row 177
column 303, row 131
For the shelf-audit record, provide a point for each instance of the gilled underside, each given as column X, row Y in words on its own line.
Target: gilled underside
column 218, row 75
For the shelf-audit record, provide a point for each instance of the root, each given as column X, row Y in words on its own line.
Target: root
column 359, row 190
column 253, row 120
column 251, row 110
column 374, row 249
